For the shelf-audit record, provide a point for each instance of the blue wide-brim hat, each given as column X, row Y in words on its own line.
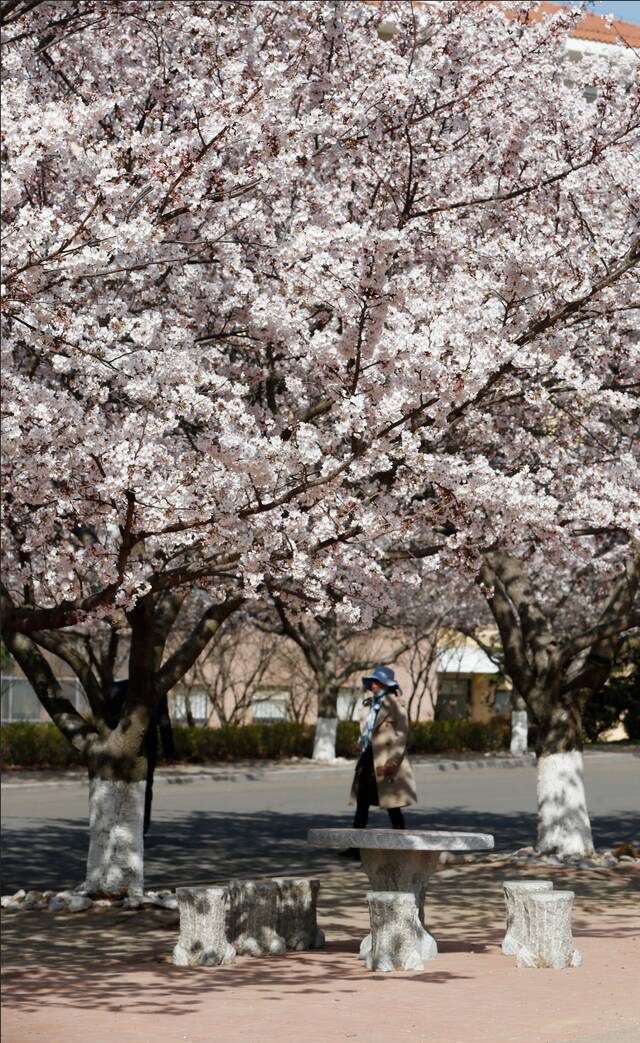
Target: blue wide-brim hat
column 384, row 675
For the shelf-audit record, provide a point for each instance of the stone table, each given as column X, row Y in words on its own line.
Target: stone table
column 401, row 860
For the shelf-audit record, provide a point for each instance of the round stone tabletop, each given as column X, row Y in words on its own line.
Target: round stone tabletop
column 400, row 839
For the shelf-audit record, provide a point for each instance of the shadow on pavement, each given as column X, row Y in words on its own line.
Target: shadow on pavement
column 200, row 846
column 121, row 960
column 464, row 907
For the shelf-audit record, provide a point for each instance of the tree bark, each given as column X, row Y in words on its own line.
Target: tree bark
column 116, row 787
column 116, row 846
column 564, row 828
column 556, row 674
column 79, row 732
column 118, row 770
column 119, row 739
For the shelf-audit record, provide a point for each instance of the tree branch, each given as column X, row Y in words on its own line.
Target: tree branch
column 63, row 646
column 508, row 624
column 63, row 713
column 188, row 652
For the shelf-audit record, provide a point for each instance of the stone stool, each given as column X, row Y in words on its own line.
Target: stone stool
column 547, row 939
column 395, row 932
column 514, row 891
column 252, row 918
column 296, row 919
column 202, row 927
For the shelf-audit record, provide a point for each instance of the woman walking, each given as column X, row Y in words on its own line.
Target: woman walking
column 383, row 774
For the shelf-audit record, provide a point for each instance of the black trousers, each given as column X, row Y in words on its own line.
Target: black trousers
column 367, row 794
column 361, row 816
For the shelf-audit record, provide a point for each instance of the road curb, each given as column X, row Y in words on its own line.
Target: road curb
column 258, row 773
column 184, row 776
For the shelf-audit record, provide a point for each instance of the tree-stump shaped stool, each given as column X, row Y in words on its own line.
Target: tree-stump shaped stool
column 514, row 891
column 296, row 919
column 406, row 875
column 547, row 938
column 396, row 932
column 252, row 918
column 202, row 939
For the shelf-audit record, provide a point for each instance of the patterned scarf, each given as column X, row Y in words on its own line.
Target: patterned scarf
column 374, row 703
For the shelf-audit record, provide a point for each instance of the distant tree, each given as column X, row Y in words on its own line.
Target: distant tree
column 232, row 671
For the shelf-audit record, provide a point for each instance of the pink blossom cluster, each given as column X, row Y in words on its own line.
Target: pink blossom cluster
column 282, row 297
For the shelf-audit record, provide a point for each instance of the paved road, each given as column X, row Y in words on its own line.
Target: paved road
column 208, row 830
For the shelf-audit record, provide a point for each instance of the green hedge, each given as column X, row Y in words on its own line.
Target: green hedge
column 275, row 741
column 460, row 736
column 618, row 700
column 42, row 745
column 439, row 736
column 36, row 745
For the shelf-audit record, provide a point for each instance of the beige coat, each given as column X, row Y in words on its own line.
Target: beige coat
column 389, row 742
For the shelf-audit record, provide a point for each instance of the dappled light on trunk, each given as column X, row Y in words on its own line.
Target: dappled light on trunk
column 563, row 820
column 116, row 847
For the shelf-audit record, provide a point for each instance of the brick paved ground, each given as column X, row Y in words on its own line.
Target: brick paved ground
column 105, row 976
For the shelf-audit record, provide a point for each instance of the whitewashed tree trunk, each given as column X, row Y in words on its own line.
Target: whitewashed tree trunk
column 564, row 828
column 115, row 863
column 324, row 743
column 519, row 732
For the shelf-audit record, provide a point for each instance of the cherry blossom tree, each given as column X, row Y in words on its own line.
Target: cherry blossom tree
column 560, row 639
column 563, row 619
column 279, row 294
column 127, row 664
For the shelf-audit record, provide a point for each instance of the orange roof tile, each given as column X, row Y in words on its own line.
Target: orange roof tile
column 594, row 26
column 591, row 27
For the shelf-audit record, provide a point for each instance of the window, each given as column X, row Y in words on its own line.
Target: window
column 270, row 704
column 589, row 93
column 20, row 702
column 502, row 701
column 454, row 698
column 192, row 701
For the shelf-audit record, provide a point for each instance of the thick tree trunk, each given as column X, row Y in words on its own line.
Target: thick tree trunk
column 117, row 784
column 116, row 847
column 557, row 674
column 118, row 741
column 324, row 743
column 118, row 771
column 564, row 828
column 324, row 740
